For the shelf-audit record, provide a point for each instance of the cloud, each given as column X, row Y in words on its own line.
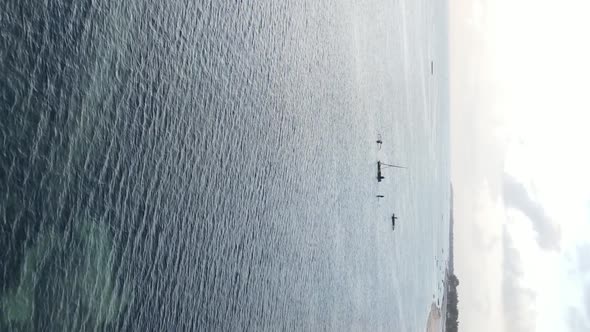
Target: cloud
column 583, row 259
column 577, row 321
column 587, row 301
column 517, row 197
column 578, row 316
column 518, row 301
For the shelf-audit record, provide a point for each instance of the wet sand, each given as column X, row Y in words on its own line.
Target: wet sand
column 434, row 319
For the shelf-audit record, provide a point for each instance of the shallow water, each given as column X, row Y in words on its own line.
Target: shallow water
column 179, row 165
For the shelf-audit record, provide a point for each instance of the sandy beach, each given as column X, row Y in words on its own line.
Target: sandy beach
column 434, row 323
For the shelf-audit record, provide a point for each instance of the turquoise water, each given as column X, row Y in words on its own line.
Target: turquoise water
column 211, row 166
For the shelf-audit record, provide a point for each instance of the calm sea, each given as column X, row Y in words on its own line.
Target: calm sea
column 210, row 165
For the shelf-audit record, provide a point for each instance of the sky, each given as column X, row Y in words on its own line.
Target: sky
column 520, row 116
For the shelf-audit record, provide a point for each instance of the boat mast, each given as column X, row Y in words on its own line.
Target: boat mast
column 396, row 166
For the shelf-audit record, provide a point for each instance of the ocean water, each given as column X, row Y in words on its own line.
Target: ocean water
column 197, row 165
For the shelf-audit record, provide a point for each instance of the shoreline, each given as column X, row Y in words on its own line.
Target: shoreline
column 434, row 322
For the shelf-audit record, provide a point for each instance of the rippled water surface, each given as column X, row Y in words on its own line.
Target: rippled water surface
column 194, row 165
